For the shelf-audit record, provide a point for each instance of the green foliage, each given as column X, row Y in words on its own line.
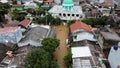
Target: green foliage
column 38, row 58
column 68, row 58
column 3, row 11
column 48, row 19
column 54, row 64
column 49, row 44
column 57, row 21
column 90, row 21
column 14, row 2
column 70, row 22
column 42, row 57
column 6, row 5
column 111, row 10
column 98, row 22
column 17, row 16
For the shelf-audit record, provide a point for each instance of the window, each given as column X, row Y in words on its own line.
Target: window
column 64, row 14
column 73, row 15
column 77, row 15
column 59, row 14
column 68, row 14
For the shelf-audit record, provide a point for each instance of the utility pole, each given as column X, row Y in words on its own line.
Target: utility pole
column 46, row 16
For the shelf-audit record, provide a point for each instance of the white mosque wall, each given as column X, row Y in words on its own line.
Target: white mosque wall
column 76, row 13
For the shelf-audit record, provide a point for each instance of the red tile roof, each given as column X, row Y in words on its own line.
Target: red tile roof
column 48, row 0
column 80, row 25
column 8, row 30
column 25, row 23
column 17, row 5
column 10, row 25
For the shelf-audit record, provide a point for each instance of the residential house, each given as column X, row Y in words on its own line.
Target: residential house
column 34, row 36
column 85, row 52
column 114, row 55
column 3, row 50
column 48, row 1
column 108, row 38
column 17, row 7
column 106, row 3
column 4, row 1
column 30, row 4
column 17, row 58
column 83, row 58
column 117, row 10
column 10, row 35
column 81, row 31
column 25, row 23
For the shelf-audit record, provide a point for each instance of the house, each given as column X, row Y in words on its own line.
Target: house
column 48, row 1
column 25, row 23
column 34, row 36
column 81, row 31
column 117, row 10
column 81, row 57
column 17, row 58
column 3, row 50
column 106, row 3
column 113, row 56
column 4, row 1
column 30, row 4
column 85, row 52
column 10, row 34
column 17, row 7
column 108, row 38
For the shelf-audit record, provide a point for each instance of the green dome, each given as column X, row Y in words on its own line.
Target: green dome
column 67, row 2
column 67, row 5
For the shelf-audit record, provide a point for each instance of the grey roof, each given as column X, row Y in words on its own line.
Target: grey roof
column 110, row 36
column 34, row 36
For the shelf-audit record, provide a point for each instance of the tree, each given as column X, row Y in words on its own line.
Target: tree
column 71, row 22
column 3, row 11
column 57, row 21
column 17, row 16
column 42, row 57
column 90, row 21
column 38, row 58
column 68, row 58
column 6, row 5
column 50, row 44
column 14, row 2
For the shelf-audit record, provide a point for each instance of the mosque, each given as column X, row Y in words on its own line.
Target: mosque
column 67, row 11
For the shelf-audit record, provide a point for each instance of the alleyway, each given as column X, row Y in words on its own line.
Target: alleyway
column 61, row 51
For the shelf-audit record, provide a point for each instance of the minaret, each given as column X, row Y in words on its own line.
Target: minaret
column 67, row 5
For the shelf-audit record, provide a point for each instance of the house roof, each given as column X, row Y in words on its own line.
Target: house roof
column 25, row 23
column 8, row 30
column 80, row 25
column 110, row 36
column 17, row 5
column 34, row 36
column 10, row 25
column 108, row 3
column 78, row 52
column 48, row 0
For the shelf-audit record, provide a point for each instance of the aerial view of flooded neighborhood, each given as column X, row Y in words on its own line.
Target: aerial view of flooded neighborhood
column 59, row 33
